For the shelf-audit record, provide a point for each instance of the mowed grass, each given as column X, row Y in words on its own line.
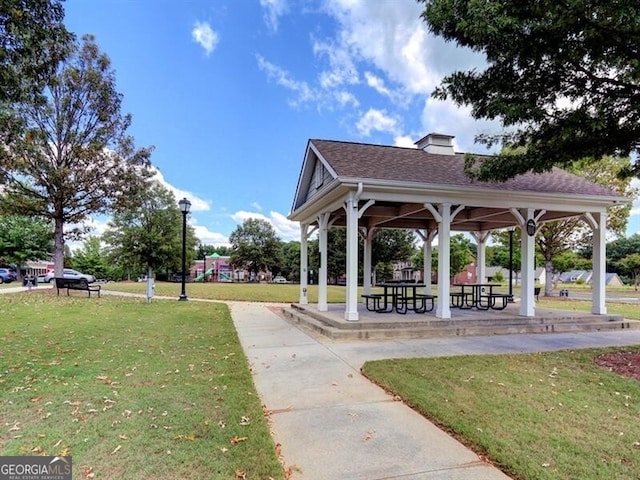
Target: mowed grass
column 538, row 416
column 129, row 389
column 250, row 292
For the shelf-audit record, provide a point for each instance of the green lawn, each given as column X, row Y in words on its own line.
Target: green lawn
column 119, row 379
column 538, row 416
column 129, row 389
column 255, row 292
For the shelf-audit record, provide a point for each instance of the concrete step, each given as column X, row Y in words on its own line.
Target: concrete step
column 434, row 328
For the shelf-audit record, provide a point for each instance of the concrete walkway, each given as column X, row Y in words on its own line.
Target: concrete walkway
column 332, row 423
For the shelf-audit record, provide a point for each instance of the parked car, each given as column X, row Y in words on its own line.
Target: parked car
column 70, row 273
column 7, row 275
column 178, row 278
column 279, row 279
column 41, row 277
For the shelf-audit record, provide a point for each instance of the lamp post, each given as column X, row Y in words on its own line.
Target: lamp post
column 184, row 205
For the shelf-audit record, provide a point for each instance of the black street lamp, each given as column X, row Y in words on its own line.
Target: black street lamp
column 185, row 205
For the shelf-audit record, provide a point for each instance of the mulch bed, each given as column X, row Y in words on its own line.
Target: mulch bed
column 622, row 363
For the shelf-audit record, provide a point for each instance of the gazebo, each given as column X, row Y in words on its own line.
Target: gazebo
column 366, row 187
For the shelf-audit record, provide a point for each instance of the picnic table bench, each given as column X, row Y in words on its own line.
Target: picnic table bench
column 419, row 303
column 372, row 301
column 76, row 284
column 490, row 301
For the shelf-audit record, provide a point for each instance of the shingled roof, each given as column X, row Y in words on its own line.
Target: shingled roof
column 414, row 166
column 397, row 185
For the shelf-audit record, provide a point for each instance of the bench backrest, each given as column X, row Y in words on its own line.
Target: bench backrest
column 65, row 282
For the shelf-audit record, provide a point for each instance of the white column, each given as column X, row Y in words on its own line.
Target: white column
column 304, row 263
column 323, row 223
column 368, row 235
column 599, row 306
column 481, row 257
column 444, row 261
column 427, row 255
column 527, row 261
column 351, row 311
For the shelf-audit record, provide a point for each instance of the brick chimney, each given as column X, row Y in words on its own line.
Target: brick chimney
column 437, row 143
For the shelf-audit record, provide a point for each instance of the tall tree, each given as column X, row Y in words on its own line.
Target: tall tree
column 631, row 265
column 256, row 247
column 555, row 238
column 92, row 258
column 619, row 249
column 461, row 252
column 562, row 77
column 148, row 235
column 24, row 238
column 76, row 158
column 290, row 268
column 391, row 245
column 33, row 39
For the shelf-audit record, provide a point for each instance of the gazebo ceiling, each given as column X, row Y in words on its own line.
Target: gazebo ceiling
column 417, row 216
column 394, row 186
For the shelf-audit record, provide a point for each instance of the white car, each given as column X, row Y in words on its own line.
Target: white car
column 279, row 279
column 70, row 273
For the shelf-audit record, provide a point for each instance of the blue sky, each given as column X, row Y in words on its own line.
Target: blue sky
column 229, row 92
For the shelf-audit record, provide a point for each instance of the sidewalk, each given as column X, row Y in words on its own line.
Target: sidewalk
column 332, row 423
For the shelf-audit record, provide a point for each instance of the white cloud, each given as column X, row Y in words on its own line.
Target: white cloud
column 345, row 98
column 341, row 67
column 207, row 237
column 274, row 9
column 197, row 204
column 389, row 35
column 285, row 229
column 404, row 141
column 448, row 118
column 283, row 78
column 257, row 206
column 377, row 84
column 377, row 120
column 387, row 47
column 204, row 36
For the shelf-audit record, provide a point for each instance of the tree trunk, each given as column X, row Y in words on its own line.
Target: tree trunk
column 548, row 281
column 58, row 238
column 149, row 284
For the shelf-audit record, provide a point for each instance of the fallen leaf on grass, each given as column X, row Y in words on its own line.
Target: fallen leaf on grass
column 241, row 474
column 244, row 421
column 368, row 436
column 116, row 450
column 87, row 472
column 235, row 440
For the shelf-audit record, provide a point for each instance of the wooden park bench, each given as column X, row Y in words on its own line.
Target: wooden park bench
column 76, row 284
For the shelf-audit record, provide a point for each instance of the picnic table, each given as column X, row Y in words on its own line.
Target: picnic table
column 400, row 297
column 478, row 295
